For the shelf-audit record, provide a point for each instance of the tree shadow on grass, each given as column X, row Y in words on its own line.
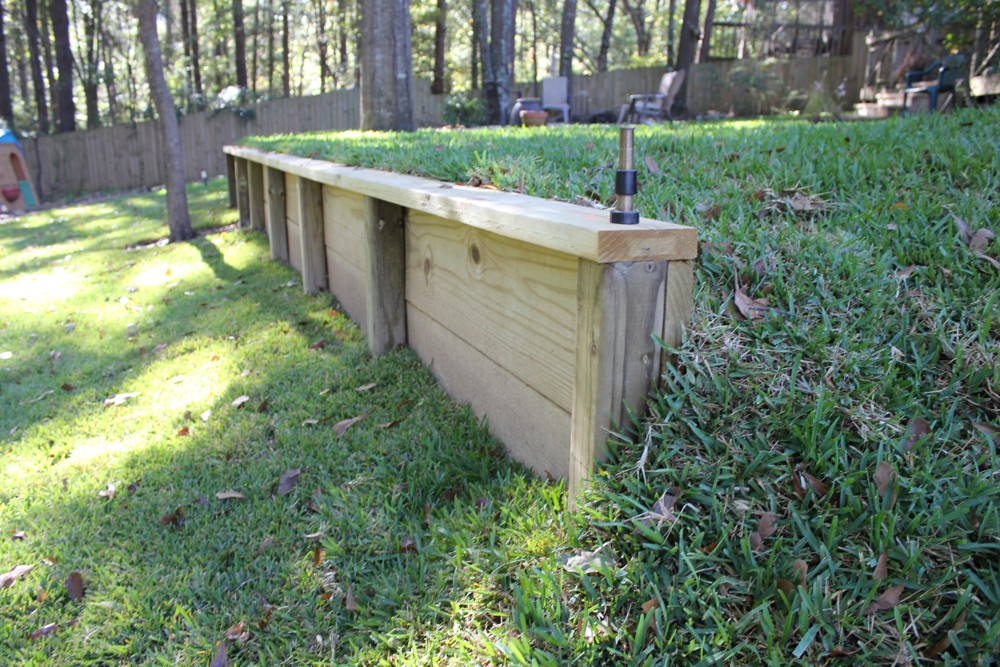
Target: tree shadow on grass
column 407, row 526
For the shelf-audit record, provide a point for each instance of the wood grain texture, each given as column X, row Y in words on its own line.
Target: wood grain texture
column 559, row 226
column 277, row 220
column 231, row 179
column 513, row 302
column 385, row 256
column 533, row 429
column 255, row 187
column 617, row 363
column 313, row 250
column 679, row 302
column 292, row 221
column 242, row 192
column 343, row 227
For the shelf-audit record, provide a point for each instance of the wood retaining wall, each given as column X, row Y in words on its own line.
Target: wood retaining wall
column 540, row 315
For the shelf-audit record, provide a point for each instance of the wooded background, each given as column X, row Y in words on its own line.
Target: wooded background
column 235, row 67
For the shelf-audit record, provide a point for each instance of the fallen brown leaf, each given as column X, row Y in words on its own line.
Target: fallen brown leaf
column 229, row 495
column 650, row 605
column 882, row 567
column 119, row 399
column 903, row 274
column 407, row 544
column 17, row 535
column 318, row 556
column 50, row 629
column 74, row 586
column 238, row 633
column 175, row 518
column 366, row 387
column 786, row 587
column 288, row 480
column 884, row 477
column 66, row 386
column 239, row 402
column 944, row 643
column 340, row 428
column 802, row 481
column 887, row 600
column 751, row 309
column 7, row 579
column 987, row 430
column 651, row 165
column 220, row 659
column 107, row 492
column 266, row 544
column 318, row 345
column 184, row 430
column 350, row 602
column 919, row 428
column 801, row 569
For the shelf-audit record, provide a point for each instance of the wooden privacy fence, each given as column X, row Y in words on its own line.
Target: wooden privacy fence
column 122, row 157
column 541, row 315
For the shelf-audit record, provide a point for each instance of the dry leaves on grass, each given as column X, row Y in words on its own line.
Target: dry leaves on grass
column 119, row 399
column 917, row 431
column 289, row 479
column 765, row 528
column 662, row 510
column 976, row 239
column 802, row 482
column 74, row 586
column 887, row 600
column 794, row 201
column 885, row 478
column 341, row 427
column 7, row 579
column 229, row 495
column 881, row 572
column 51, row 629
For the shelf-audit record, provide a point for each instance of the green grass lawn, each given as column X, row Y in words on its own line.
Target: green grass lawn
column 816, row 483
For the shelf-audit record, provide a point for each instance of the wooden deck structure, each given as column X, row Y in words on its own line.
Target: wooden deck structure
column 541, row 315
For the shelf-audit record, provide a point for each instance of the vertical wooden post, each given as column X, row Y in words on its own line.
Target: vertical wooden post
column 242, row 192
column 311, row 235
column 619, row 308
column 679, row 303
column 277, row 219
column 231, row 178
column 385, row 250
column 255, row 186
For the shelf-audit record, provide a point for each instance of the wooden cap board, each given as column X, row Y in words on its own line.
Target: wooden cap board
column 575, row 230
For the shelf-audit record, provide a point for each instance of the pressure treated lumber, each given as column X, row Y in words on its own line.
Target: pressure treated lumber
column 242, row 192
column 385, row 246
column 277, row 222
column 575, row 230
column 255, row 186
column 310, row 195
column 540, row 315
column 231, row 179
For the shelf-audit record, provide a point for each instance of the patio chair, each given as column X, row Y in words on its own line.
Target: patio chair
column 653, row 106
column 555, row 96
column 940, row 77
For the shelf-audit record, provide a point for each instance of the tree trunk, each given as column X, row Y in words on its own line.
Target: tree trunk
column 178, row 217
column 195, row 52
column 6, row 102
column 322, row 43
column 186, row 44
column 66, row 110
column 37, row 81
column 671, row 22
column 688, row 47
column 286, row 56
column 386, row 66
column 439, row 84
column 567, row 35
column 637, row 14
column 91, row 79
column 50, row 71
column 501, row 53
column 474, row 44
column 254, row 48
column 706, row 34
column 110, row 82
column 608, row 22
column 270, row 47
column 240, row 38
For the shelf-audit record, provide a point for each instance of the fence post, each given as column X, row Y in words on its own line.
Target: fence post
column 255, row 183
column 385, row 249
column 242, row 192
column 277, row 219
column 619, row 306
column 311, row 236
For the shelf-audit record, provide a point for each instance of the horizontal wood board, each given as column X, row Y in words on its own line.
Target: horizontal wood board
column 343, row 218
column 559, row 226
column 508, row 300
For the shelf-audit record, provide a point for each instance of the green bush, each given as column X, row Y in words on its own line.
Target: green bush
column 463, row 109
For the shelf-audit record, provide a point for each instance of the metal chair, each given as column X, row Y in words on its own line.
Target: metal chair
column 555, row 95
column 654, row 106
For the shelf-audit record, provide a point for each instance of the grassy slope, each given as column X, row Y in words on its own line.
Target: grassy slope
column 831, row 381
